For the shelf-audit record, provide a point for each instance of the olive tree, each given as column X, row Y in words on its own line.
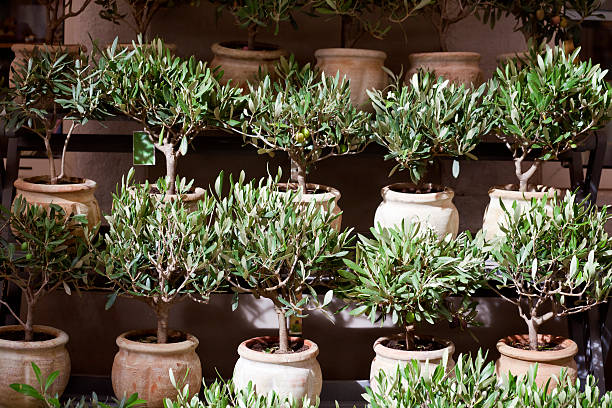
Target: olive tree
column 557, row 261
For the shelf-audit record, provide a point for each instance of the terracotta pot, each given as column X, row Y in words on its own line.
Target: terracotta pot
column 323, row 197
column 296, row 374
column 436, row 209
column 242, row 65
column 388, row 360
column 15, row 364
column 517, row 361
column 144, row 367
column 76, row 198
column 502, row 59
column 364, row 69
column 459, row 67
column 495, row 216
column 190, row 199
column 24, row 51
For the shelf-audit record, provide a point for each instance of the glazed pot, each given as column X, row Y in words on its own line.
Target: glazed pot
column 241, row 65
column 494, row 215
column 388, row 359
column 322, row 195
column 144, row 367
column 458, row 67
column 24, row 51
column 550, row 362
column 436, row 209
column 15, row 364
column 76, row 198
column 364, row 69
column 296, row 374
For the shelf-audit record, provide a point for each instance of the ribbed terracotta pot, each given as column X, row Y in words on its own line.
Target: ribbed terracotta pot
column 436, row 209
column 364, row 69
column 241, row 65
column 16, row 368
column 459, row 67
column 24, row 51
column 76, row 198
column 295, row 374
column 495, row 216
column 144, row 367
column 323, row 196
column 388, row 359
column 550, row 363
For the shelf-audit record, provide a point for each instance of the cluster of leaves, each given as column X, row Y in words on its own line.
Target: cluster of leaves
column 172, row 98
column 52, row 250
column 257, row 14
column 52, row 401
column 305, row 113
column 408, row 272
column 161, row 249
column 277, row 247
column 224, row 395
column 430, row 118
column 549, row 103
column 558, row 260
column 140, row 11
column 51, row 85
column 56, row 13
column 473, row 384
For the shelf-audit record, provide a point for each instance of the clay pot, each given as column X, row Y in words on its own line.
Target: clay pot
column 436, row 209
column 15, row 364
column 459, row 67
column 242, row 66
column 24, row 51
column 323, row 196
column 144, row 367
column 494, row 215
column 502, row 59
column 295, row 374
column 364, row 69
column 76, row 198
column 517, row 361
column 388, row 359
column 190, row 199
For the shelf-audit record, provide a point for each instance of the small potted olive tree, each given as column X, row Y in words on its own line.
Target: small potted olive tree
column 49, row 87
column 279, row 249
column 47, row 256
column 242, row 61
column 419, row 123
column 557, row 259
column 161, row 251
column 174, row 99
column 309, row 116
column 547, row 106
column 406, row 272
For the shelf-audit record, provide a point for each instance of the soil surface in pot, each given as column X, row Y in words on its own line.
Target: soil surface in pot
column 419, row 344
column 271, row 347
column 19, row 335
column 241, row 45
column 552, row 345
column 308, row 190
column 426, row 189
column 63, row 180
column 175, row 337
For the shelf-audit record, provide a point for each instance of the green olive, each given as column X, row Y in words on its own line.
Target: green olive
column 24, row 246
column 28, row 257
column 540, row 14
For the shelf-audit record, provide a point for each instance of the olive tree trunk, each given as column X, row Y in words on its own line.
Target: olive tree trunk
column 283, row 336
column 162, row 311
column 409, row 336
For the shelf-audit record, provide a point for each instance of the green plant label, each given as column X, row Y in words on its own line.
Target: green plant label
column 144, row 150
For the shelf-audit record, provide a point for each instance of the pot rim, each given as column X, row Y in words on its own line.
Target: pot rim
column 569, row 350
column 388, row 194
column 190, row 344
column 26, row 185
column 405, row 355
column 198, row 194
column 60, row 340
column 350, row 52
column 330, row 192
column 30, row 47
column 511, row 191
column 448, row 56
column 245, row 352
column 220, row 49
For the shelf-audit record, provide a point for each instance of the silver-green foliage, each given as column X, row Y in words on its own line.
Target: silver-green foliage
column 558, row 261
column 161, row 249
column 306, row 114
column 408, row 273
column 428, row 119
column 548, row 104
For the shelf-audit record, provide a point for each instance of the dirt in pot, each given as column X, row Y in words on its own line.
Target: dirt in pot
column 62, row 181
column 271, row 347
column 424, row 189
column 308, row 189
column 241, row 45
column 420, row 344
column 552, row 345
column 19, row 335
column 150, row 338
